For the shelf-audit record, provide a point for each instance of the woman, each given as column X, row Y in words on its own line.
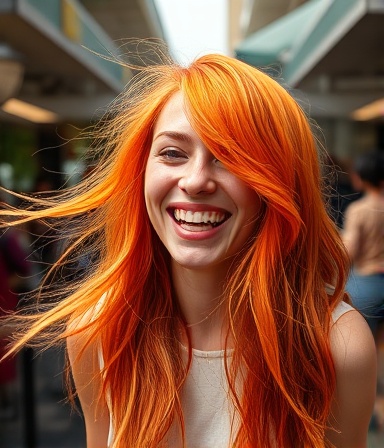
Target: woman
column 214, row 316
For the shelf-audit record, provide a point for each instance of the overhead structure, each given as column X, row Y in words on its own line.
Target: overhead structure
column 332, row 50
column 65, row 53
column 11, row 72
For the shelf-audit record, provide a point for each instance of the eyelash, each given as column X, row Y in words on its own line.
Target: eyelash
column 173, row 154
column 170, row 153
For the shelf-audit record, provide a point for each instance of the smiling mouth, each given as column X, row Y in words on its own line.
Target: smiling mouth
column 199, row 220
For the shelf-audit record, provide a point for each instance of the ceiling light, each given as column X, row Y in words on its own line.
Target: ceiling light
column 370, row 111
column 29, row 111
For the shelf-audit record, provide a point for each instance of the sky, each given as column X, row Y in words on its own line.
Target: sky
column 194, row 27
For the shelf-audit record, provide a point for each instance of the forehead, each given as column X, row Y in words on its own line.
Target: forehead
column 173, row 116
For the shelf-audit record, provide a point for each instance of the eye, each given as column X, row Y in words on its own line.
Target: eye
column 218, row 163
column 172, row 154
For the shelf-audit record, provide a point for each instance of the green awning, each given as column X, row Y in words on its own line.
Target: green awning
column 71, row 29
column 273, row 43
column 301, row 39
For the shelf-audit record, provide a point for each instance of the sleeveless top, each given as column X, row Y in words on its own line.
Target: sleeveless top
column 210, row 420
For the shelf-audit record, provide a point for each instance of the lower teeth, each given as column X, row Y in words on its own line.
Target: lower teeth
column 213, row 224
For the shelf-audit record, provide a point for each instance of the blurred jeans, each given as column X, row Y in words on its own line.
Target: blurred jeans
column 367, row 295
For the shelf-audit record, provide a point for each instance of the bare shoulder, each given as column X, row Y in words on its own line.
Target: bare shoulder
column 78, row 343
column 78, row 338
column 352, row 343
column 354, row 353
column 86, row 372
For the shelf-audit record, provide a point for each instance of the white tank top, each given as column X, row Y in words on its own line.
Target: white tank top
column 208, row 411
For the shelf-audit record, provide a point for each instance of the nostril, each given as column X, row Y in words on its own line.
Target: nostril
column 192, row 187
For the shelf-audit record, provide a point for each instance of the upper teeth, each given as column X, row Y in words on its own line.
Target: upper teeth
column 198, row 217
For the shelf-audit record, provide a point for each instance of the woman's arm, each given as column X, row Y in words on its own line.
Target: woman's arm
column 85, row 371
column 354, row 354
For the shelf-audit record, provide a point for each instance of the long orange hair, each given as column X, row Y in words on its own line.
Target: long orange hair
column 278, row 306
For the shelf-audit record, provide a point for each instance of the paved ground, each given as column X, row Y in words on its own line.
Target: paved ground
column 51, row 422
column 55, row 425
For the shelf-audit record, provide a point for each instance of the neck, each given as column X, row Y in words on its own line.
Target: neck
column 200, row 294
column 372, row 191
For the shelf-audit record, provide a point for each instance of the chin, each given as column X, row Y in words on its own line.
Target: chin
column 201, row 262
column 193, row 265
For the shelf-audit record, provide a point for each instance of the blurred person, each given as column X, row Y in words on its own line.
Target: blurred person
column 214, row 314
column 363, row 236
column 14, row 267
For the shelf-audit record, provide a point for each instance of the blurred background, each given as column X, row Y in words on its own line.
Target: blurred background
column 56, row 79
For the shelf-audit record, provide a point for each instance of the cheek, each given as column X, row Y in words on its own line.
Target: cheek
column 149, row 192
column 247, row 200
column 251, row 209
column 156, row 189
column 254, row 204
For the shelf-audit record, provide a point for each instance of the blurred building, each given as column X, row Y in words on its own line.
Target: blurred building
column 55, row 55
column 56, row 77
column 330, row 53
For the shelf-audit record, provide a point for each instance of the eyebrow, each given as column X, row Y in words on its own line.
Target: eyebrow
column 174, row 135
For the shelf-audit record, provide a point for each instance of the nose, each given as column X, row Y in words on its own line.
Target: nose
column 197, row 178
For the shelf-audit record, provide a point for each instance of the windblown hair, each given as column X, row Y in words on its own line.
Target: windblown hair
column 278, row 305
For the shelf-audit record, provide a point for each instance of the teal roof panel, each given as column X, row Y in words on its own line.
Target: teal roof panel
column 339, row 17
column 299, row 40
column 273, row 42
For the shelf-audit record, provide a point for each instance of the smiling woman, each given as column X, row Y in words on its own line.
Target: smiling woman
column 214, row 314
column 202, row 213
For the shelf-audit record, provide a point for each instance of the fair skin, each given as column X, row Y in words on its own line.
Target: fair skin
column 354, row 355
column 182, row 175
column 369, row 190
column 185, row 181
